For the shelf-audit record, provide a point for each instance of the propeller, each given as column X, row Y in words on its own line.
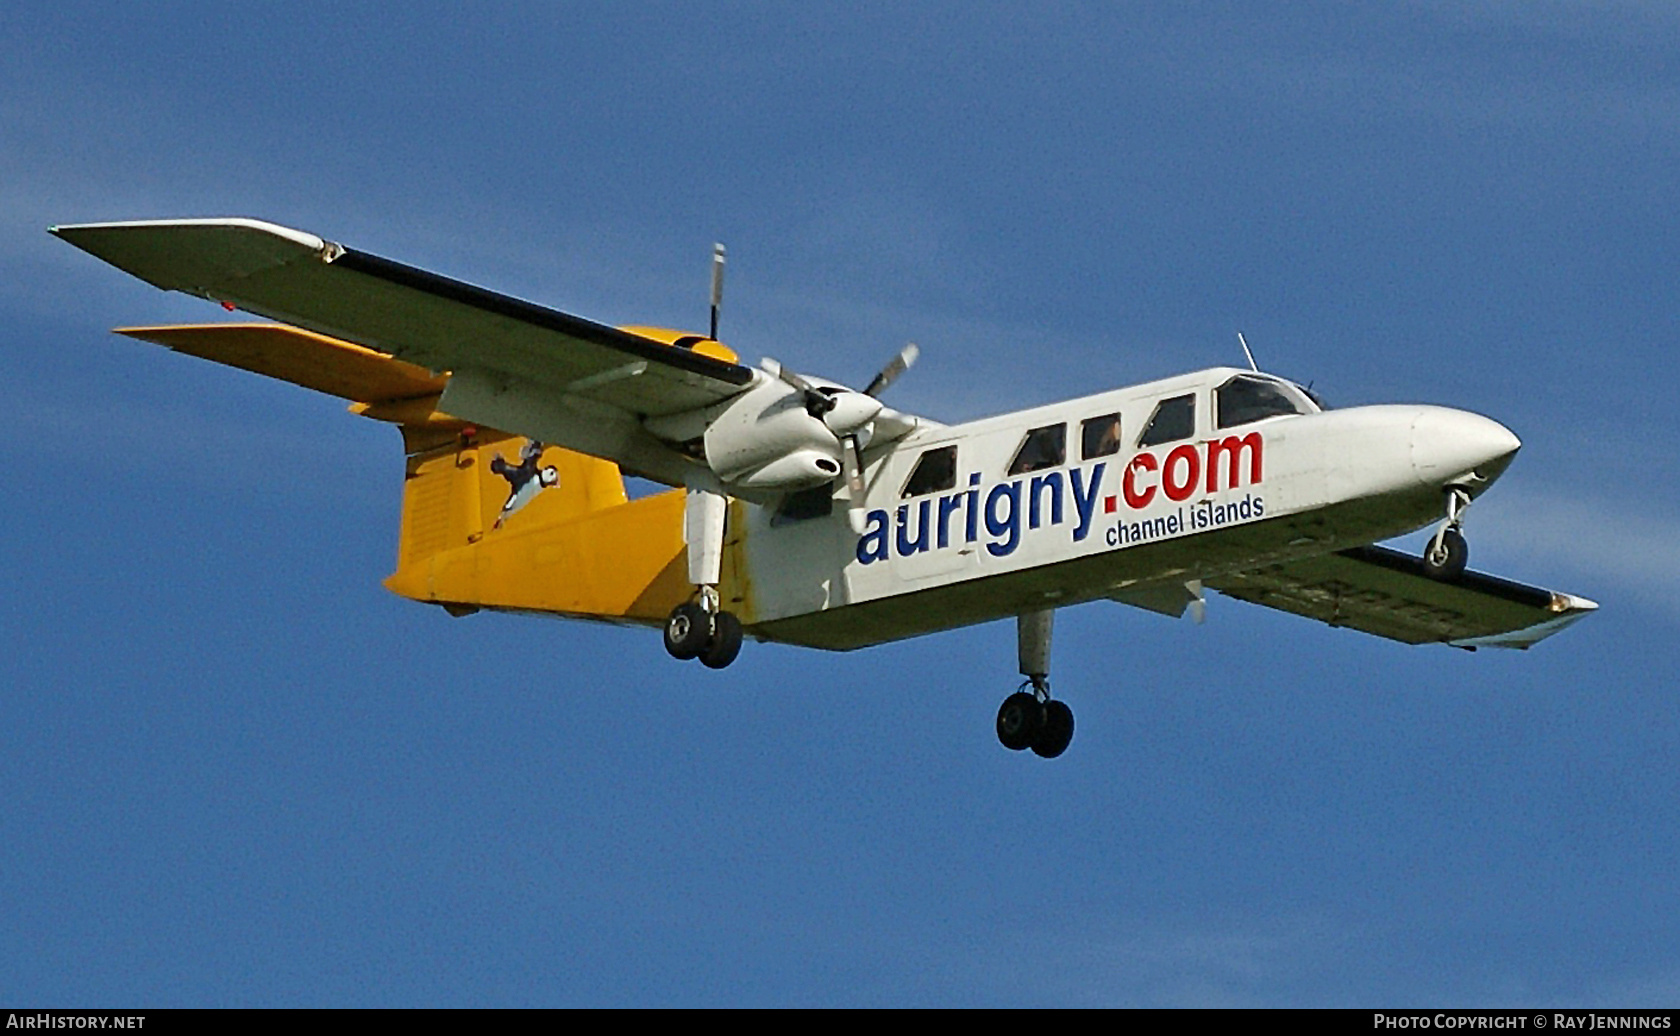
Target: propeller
column 817, row 402
column 845, row 414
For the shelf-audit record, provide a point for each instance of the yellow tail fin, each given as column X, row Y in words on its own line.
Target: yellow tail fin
column 490, row 520
column 498, row 521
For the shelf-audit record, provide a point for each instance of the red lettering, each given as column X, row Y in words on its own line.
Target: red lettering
column 1136, row 499
column 1231, row 447
column 1187, row 460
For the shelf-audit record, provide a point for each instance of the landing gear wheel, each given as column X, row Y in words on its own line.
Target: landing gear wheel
column 1445, row 559
column 1019, row 720
column 1053, row 737
column 688, row 630
column 725, row 642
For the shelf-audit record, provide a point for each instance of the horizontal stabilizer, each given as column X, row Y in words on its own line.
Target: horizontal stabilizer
column 1385, row 592
column 318, row 362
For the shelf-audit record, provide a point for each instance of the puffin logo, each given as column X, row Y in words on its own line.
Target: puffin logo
column 525, row 479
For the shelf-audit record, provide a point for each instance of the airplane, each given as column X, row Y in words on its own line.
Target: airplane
column 806, row 512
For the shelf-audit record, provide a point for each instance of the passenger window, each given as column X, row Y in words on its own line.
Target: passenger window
column 1244, row 399
column 1044, row 448
column 1174, row 419
column 936, row 470
column 1099, row 436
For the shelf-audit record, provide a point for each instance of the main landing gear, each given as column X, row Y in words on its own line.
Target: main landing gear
column 1030, row 718
column 1448, row 553
column 701, row 628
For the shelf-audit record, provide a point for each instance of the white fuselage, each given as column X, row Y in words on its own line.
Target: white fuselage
column 962, row 539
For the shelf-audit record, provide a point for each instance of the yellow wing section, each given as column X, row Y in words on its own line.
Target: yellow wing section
column 490, row 519
column 315, row 361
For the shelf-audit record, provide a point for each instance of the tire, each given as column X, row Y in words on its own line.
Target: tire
column 1057, row 732
column 1446, row 563
column 725, row 642
column 1019, row 720
column 687, row 631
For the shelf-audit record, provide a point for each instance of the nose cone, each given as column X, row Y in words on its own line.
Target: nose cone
column 1458, row 448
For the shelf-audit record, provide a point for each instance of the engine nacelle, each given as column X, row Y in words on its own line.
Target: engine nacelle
column 765, row 439
column 801, row 469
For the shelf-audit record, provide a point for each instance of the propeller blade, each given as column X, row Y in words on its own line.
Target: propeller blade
column 854, row 483
column 889, row 374
column 816, row 403
column 717, row 286
column 775, row 369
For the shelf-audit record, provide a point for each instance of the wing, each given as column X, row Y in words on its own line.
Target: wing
column 515, row 365
column 1385, row 592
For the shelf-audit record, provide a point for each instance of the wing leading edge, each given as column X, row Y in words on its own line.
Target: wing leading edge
column 1385, row 592
column 513, row 364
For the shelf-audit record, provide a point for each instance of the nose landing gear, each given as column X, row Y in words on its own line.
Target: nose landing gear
column 1448, row 553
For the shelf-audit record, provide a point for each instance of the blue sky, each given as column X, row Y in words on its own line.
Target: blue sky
column 237, row 771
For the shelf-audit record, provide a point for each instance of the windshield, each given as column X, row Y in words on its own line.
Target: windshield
column 1247, row 398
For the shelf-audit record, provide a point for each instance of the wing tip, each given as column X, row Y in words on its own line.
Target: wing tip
column 1566, row 604
column 71, row 231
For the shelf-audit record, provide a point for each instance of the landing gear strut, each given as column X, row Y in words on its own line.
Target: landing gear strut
column 701, row 628
column 1030, row 718
column 1448, row 553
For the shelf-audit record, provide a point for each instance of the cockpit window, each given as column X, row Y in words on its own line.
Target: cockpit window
column 1174, row 419
column 936, row 470
column 1246, row 398
column 1043, row 448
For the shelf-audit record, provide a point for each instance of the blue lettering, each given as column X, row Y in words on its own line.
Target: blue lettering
column 1009, row 523
column 1053, row 482
column 907, row 546
column 947, row 504
column 972, row 511
column 872, row 545
column 1085, row 499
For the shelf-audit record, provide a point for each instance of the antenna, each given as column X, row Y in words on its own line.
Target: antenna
column 717, row 285
column 1246, row 353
